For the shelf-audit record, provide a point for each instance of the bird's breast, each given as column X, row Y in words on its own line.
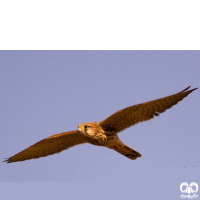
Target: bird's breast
column 99, row 139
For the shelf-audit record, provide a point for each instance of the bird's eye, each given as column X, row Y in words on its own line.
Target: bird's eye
column 86, row 126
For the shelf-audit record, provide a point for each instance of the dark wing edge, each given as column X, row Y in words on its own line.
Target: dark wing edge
column 48, row 146
column 132, row 115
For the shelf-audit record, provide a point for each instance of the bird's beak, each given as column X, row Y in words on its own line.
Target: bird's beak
column 80, row 128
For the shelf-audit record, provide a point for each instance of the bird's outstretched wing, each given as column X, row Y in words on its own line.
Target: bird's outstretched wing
column 48, row 146
column 141, row 112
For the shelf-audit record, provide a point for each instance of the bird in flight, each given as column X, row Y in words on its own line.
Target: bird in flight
column 102, row 133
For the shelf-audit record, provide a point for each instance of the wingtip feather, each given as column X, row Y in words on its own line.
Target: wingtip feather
column 6, row 161
column 186, row 89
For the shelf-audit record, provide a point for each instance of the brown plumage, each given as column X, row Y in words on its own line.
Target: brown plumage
column 48, row 146
column 102, row 133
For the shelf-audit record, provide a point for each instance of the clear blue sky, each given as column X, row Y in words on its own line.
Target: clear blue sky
column 49, row 92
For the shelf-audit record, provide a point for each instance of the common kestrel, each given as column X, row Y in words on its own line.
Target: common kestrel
column 102, row 133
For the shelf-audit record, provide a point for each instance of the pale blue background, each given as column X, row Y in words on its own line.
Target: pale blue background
column 48, row 92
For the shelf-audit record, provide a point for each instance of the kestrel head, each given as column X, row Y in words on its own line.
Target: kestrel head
column 88, row 128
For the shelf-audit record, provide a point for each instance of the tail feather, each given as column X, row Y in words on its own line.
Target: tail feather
column 128, row 152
